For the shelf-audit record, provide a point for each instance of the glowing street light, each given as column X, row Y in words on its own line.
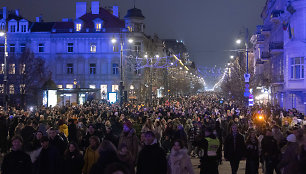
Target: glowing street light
column 130, row 41
column 114, row 40
column 232, row 57
column 238, row 41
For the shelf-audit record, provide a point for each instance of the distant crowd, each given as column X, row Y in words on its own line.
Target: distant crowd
column 100, row 138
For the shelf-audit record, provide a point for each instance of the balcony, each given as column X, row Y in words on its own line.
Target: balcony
column 260, row 39
column 259, row 62
column 265, row 30
column 275, row 15
column 265, row 56
column 278, row 80
column 276, row 47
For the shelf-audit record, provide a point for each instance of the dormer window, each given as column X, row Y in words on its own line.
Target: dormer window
column 98, row 26
column 23, row 26
column 13, row 28
column 78, row 27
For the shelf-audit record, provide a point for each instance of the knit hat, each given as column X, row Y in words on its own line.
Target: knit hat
column 291, row 138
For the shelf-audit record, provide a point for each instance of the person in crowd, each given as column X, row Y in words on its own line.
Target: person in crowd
column 179, row 162
column 108, row 155
column 234, row 148
column 252, row 154
column 27, row 134
column 109, row 135
column 49, row 160
column 90, row 132
column 270, row 152
column 181, row 134
column 302, row 156
column 128, row 137
column 289, row 161
column 212, row 153
column 73, row 160
column 91, row 154
column 4, row 127
column 125, row 156
column 57, row 141
column 16, row 161
column 72, row 131
column 152, row 158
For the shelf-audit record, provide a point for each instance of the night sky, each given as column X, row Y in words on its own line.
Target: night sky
column 207, row 27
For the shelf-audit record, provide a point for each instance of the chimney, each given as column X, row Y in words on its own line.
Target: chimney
column 80, row 9
column 4, row 13
column 17, row 12
column 95, row 6
column 116, row 11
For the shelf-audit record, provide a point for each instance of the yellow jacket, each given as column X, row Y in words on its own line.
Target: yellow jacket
column 64, row 129
column 90, row 158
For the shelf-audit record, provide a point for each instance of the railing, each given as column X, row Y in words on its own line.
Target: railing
column 276, row 46
column 265, row 55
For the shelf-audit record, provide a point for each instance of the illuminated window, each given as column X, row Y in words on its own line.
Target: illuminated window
column 98, row 26
column 12, row 90
column 12, row 48
column 69, row 68
column 70, row 47
column 1, row 88
column 12, row 69
column 92, row 86
column 78, row 27
column 130, row 28
column 93, row 48
column 22, row 68
column 92, row 68
column 69, row 86
column 60, row 86
column 22, row 89
column 41, row 47
column 115, row 88
column 2, row 69
column 103, row 91
column 22, row 47
column 115, row 69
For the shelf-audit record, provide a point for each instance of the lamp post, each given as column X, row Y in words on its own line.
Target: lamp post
column 121, row 84
column 5, row 69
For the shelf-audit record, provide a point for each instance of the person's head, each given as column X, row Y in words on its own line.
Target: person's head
column 127, row 126
column 44, row 142
column 178, row 145
column 39, row 135
column 94, row 141
column 116, row 168
column 73, row 147
column 123, row 149
column 52, row 133
column 149, row 137
column 268, row 132
column 234, row 128
column 107, row 145
column 17, row 143
column 91, row 129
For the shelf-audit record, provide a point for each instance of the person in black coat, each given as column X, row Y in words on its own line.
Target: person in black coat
column 72, row 131
column 252, row 154
column 17, row 161
column 73, row 160
column 27, row 134
column 270, row 152
column 57, row 141
column 234, row 148
column 152, row 158
column 3, row 134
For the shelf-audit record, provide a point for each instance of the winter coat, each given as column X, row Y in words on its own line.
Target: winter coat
column 302, row 161
column 237, row 152
column 48, row 162
column 127, row 159
column 131, row 140
column 179, row 162
column 72, row 133
column 90, row 158
column 16, row 162
column 152, row 160
column 105, row 158
column 289, row 162
column 73, row 163
column 64, row 129
column 269, row 148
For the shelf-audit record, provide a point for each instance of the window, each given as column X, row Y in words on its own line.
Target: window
column 22, row 89
column 12, row 48
column 115, row 69
column 41, row 47
column 23, row 28
column 2, row 48
column 92, row 69
column 12, row 90
column 98, row 26
column 22, row 47
column 70, row 47
column 297, row 67
column 137, row 47
column 115, row 48
column 60, row 86
column 1, row 88
column 13, row 28
column 69, row 86
column 103, row 91
column 93, row 48
column 69, row 68
column 2, row 69
column 115, row 88
column 78, row 27
column 12, row 69
column 92, row 86
column 22, row 68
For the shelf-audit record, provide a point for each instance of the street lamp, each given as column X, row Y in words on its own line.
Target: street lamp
column 121, row 85
column 232, row 57
column 5, row 68
column 238, row 41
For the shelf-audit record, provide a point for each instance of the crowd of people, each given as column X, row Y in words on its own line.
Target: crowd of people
column 100, row 138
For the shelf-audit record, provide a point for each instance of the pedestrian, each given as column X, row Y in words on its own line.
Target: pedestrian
column 125, row 156
column 57, row 141
column 179, row 161
column 16, row 161
column 234, row 148
column 91, row 154
column 152, row 158
column 252, row 154
column 73, row 160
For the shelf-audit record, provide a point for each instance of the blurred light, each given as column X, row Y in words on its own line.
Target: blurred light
column 171, row 63
column 181, row 68
column 157, row 56
column 130, row 41
column 229, row 64
column 260, row 117
column 146, row 56
column 114, row 40
column 238, row 41
column 2, row 34
column 232, row 57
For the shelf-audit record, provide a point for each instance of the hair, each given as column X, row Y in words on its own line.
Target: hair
column 180, row 143
column 150, row 133
column 116, row 167
column 107, row 145
column 17, row 137
column 77, row 149
column 44, row 139
column 95, row 138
